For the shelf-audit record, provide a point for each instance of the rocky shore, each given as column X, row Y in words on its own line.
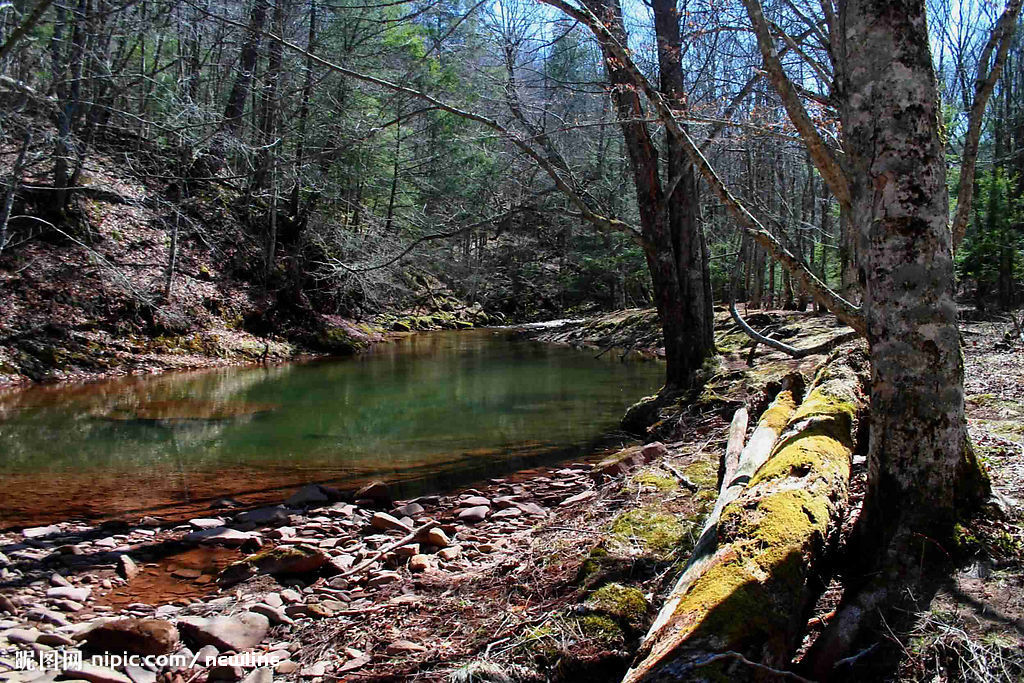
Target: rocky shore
column 288, row 582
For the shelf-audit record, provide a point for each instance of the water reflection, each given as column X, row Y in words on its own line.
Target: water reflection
column 430, row 405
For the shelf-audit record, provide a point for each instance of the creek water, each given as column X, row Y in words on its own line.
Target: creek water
column 428, row 412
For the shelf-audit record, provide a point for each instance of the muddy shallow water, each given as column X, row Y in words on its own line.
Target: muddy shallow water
column 432, row 410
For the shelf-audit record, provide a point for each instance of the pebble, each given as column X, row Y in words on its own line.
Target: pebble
column 474, row 515
column 239, row 632
column 383, row 578
column 419, row 563
column 385, row 522
column 41, row 531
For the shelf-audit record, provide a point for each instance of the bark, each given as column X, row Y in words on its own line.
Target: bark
column 922, row 473
column 753, row 576
column 12, row 189
column 246, row 66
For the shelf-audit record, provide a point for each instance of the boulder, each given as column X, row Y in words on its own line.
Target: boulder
column 376, row 491
column 239, row 632
column 311, row 494
column 136, row 636
column 268, row 516
column 385, row 522
column 126, row 568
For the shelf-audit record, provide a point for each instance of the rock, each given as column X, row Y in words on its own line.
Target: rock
column 503, row 502
column 261, row 675
column 218, row 536
column 68, row 605
column 69, row 593
column 7, row 606
column 340, row 563
column 287, row 667
column 382, row 578
column 139, row 674
column 385, row 522
column 264, row 516
column 207, row 655
column 315, row 670
column 206, row 522
column 578, row 498
column 312, row 610
column 452, row 553
column 40, row 531
column 58, row 580
column 402, row 647
column 22, row 636
column 653, row 450
column 224, row 672
column 95, row 674
column 377, row 491
column 290, row 596
column 187, row 573
column 474, row 515
column 46, row 616
column 507, row 513
column 239, row 632
column 276, row 615
column 137, row 636
column 284, row 559
column 54, row 639
column 273, row 599
column 126, row 568
column 475, row 501
column 311, row 494
column 419, row 563
column 436, row 537
column 532, row 509
column 409, row 510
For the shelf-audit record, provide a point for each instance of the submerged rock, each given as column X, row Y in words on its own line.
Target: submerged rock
column 311, row 494
column 290, row 559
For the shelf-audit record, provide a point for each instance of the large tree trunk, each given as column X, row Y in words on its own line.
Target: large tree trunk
column 922, row 473
column 673, row 244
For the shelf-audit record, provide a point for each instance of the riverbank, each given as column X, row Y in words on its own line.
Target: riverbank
column 548, row 574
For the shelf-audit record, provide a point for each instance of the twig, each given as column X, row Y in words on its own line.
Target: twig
column 754, row 665
column 426, row 526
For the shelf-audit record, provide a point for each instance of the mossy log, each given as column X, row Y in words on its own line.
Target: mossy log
column 751, row 581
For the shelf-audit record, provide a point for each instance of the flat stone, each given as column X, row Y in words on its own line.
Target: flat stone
column 385, row 522
column 474, row 515
column 287, row 667
column 409, row 510
column 383, row 578
column 58, row 580
column 377, row 491
column 503, row 502
column 264, row 674
column 54, row 639
column 239, row 632
column 69, row 593
column 22, row 636
column 532, row 509
column 475, row 501
column 450, row 553
column 507, row 513
column 401, row 647
column 290, row 596
column 578, row 498
column 139, row 674
column 96, row 674
column 218, row 536
column 206, row 522
column 40, row 531
column 276, row 615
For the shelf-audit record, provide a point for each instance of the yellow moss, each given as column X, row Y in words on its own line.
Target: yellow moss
column 780, row 525
column 659, row 482
column 779, row 412
column 813, row 450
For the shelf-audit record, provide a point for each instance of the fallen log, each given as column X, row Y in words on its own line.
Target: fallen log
column 751, row 581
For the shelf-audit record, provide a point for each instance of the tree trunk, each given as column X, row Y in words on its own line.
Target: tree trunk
column 246, row 66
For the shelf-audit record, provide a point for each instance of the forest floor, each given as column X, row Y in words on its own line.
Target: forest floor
column 548, row 574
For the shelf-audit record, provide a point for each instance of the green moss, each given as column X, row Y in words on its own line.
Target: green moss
column 592, row 565
column 703, row 473
column 401, row 326
column 781, row 524
column 337, row 340
column 602, row 629
column 655, row 481
column 658, row 531
column 625, row 603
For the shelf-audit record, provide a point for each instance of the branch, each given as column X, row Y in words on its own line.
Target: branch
column 823, row 156
column 984, row 84
column 840, row 307
column 793, row 351
column 25, row 26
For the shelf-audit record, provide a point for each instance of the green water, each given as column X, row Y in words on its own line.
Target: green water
column 436, row 408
